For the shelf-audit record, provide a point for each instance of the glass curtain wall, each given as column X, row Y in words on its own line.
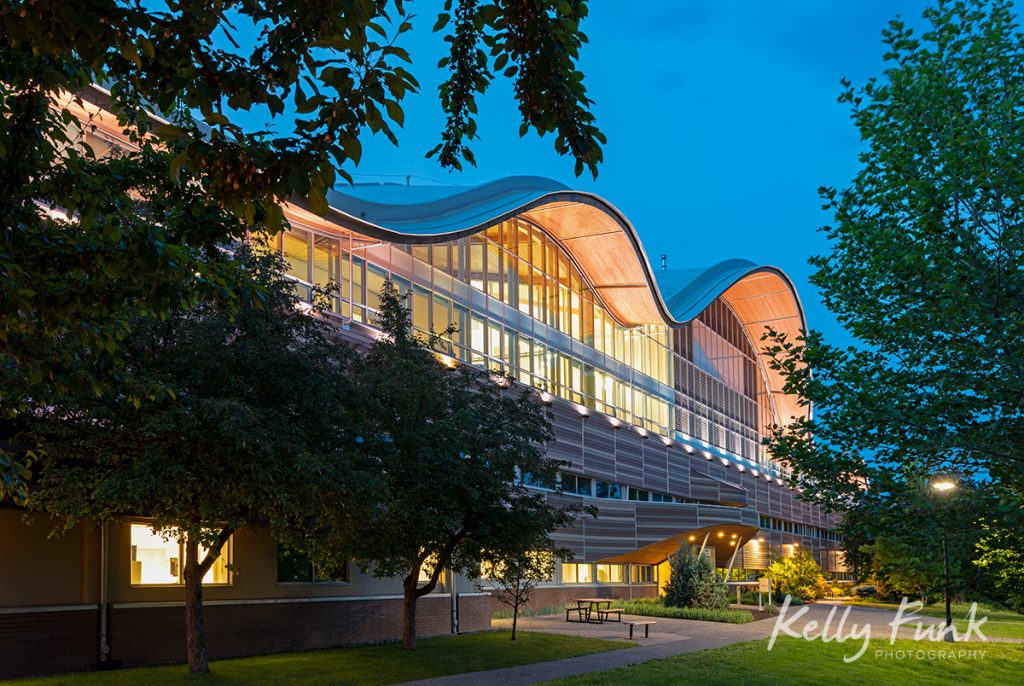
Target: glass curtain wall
column 519, row 304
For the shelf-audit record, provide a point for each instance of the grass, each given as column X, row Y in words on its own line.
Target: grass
column 360, row 666
column 653, row 608
column 530, row 612
column 1002, row 623
column 938, row 609
column 796, row 662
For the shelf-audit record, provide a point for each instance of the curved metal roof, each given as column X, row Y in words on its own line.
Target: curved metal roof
column 598, row 237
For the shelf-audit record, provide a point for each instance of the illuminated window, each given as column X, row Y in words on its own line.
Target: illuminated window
column 296, row 253
column 490, row 570
column 574, row 573
column 427, row 568
column 641, row 574
column 519, row 265
column 609, row 574
column 159, row 561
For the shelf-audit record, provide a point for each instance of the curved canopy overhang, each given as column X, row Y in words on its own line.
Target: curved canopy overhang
column 601, row 241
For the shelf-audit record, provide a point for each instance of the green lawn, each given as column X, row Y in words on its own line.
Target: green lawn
column 362, row 666
column 794, row 661
column 1001, row 623
column 959, row 610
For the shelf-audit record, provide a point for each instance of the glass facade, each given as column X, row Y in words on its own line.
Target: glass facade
column 513, row 301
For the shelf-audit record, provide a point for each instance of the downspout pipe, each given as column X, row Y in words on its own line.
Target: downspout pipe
column 104, row 650
column 454, row 601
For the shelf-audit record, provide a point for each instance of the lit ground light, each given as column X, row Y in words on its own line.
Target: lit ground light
column 364, row 666
column 794, row 661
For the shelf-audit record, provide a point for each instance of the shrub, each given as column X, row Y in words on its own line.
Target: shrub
column 865, row 591
column 646, row 608
column 844, row 588
column 530, row 612
column 799, row 576
column 693, row 583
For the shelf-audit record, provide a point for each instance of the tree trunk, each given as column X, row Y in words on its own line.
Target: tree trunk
column 515, row 619
column 409, row 612
column 195, row 630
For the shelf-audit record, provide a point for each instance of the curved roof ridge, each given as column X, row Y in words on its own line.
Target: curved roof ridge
column 432, row 211
column 597, row 236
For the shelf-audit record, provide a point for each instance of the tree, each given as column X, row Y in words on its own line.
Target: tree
column 77, row 263
column 798, row 575
column 513, row 575
column 252, row 423
column 445, row 445
column 925, row 268
column 694, row 583
column 1001, row 557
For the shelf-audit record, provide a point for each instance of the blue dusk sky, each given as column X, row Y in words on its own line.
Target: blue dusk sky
column 721, row 118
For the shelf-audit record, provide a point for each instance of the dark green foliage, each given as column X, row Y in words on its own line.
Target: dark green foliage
column 1000, row 558
column 537, row 45
column 925, row 269
column 252, row 422
column 127, row 235
column 693, row 583
column 443, row 446
column 926, row 273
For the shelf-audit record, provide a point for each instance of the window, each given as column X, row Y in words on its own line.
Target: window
column 427, row 568
column 536, row 481
column 489, row 570
column 609, row 574
column 641, row 574
column 294, row 567
column 639, row 494
column 157, row 561
column 573, row 573
column 580, row 485
column 606, row 489
column 295, row 247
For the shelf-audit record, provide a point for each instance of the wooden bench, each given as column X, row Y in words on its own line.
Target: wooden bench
column 645, row 623
column 605, row 615
column 580, row 611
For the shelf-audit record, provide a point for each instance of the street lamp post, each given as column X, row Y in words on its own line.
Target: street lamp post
column 944, row 486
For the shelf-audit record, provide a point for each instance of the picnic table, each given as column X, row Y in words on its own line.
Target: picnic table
column 587, row 608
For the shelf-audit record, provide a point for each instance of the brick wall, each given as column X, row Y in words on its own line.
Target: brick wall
column 547, row 596
column 45, row 642
column 52, row 642
column 153, row 635
column 474, row 613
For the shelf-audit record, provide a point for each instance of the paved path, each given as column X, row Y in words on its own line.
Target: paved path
column 668, row 637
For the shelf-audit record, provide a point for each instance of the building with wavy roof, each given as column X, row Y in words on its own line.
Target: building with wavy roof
column 659, row 395
column 656, row 387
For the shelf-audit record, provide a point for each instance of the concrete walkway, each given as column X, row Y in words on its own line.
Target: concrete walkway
column 668, row 637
